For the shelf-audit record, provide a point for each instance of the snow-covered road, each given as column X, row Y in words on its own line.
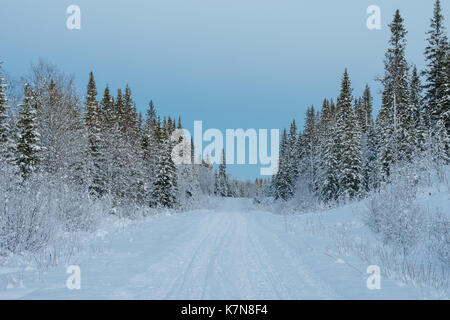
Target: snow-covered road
column 228, row 254
column 231, row 252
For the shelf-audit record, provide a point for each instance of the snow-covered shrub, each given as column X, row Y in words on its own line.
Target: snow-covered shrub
column 27, row 219
column 34, row 211
column 394, row 214
column 128, row 211
column 264, row 202
column 439, row 239
column 75, row 210
column 189, row 190
column 305, row 199
column 342, row 239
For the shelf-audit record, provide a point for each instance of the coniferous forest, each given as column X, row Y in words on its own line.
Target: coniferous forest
column 344, row 154
column 72, row 160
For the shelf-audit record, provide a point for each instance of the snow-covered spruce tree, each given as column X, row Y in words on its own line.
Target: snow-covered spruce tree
column 394, row 123
column 133, row 186
column 137, row 192
column 384, row 134
column 28, row 145
column 349, row 135
column 96, row 153
column 293, row 154
column 282, row 181
column 188, row 184
column 113, row 148
column 325, row 118
column 123, row 166
column 223, row 185
column 165, row 188
column 150, row 150
column 107, row 109
column 435, row 53
column 443, row 103
column 329, row 155
column 308, row 150
column 130, row 121
column 5, row 141
column 109, row 138
column 415, row 97
column 416, row 101
column 285, row 180
column 359, row 114
column 368, row 142
column 119, row 111
column 441, row 144
column 367, row 106
column 216, row 183
column 370, row 168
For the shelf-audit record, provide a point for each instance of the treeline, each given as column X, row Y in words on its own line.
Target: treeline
column 101, row 145
column 67, row 161
column 343, row 154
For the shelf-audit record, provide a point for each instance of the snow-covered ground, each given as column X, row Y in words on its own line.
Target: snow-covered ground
column 235, row 251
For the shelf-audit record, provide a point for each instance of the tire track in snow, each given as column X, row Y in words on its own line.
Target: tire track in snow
column 291, row 258
column 216, row 251
column 166, row 275
column 202, row 253
column 263, row 265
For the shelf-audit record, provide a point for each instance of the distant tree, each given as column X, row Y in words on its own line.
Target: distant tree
column 308, row 150
column 223, row 186
column 282, row 181
column 293, row 154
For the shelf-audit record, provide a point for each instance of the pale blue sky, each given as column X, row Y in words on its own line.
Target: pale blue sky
column 232, row 64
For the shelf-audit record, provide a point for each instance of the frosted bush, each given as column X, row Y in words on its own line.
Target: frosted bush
column 27, row 219
column 393, row 213
column 439, row 239
column 34, row 211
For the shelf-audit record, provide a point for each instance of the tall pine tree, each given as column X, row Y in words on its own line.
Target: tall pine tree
column 282, row 181
column 223, row 186
column 349, row 136
column 394, row 122
column 435, row 54
column 165, row 187
column 94, row 127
